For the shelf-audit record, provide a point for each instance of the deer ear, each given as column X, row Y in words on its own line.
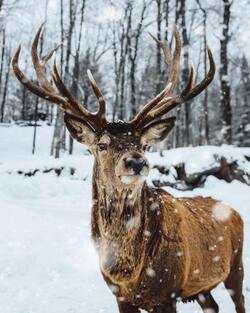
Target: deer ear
column 157, row 131
column 79, row 130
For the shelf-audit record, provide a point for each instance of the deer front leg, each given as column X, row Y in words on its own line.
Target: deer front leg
column 125, row 307
column 165, row 308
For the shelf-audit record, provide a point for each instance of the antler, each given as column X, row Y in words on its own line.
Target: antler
column 174, row 68
column 64, row 98
column 165, row 101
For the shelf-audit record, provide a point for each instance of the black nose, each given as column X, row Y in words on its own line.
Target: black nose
column 136, row 163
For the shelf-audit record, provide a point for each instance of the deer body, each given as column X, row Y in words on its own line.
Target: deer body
column 154, row 249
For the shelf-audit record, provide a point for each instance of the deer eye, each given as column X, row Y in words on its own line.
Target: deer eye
column 146, row 147
column 102, row 146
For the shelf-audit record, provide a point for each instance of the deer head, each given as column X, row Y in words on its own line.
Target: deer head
column 118, row 147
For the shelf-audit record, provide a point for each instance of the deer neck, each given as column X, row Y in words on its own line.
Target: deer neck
column 114, row 199
column 117, row 221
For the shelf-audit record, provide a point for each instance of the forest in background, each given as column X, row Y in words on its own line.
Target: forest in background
column 111, row 38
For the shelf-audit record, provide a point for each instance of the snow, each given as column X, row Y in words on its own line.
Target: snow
column 221, row 211
column 47, row 260
column 150, row 272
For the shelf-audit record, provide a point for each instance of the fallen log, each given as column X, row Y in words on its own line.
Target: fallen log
column 227, row 171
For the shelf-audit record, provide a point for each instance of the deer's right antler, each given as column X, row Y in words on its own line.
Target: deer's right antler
column 64, row 98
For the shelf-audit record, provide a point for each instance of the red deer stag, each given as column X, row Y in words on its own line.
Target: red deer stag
column 154, row 249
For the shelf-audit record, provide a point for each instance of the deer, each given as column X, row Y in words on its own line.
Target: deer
column 154, row 249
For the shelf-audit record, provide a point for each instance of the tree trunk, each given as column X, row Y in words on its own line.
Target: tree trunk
column 5, row 89
column 123, row 60
column 37, row 99
column 206, row 122
column 242, row 133
column 123, row 69
column 178, row 110
column 117, row 78
column 74, row 87
column 224, row 79
column 2, row 57
column 133, row 42
column 72, row 18
column 166, row 10
column 158, row 51
column 24, row 107
column 185, row 71
column 35, row 127
column 58, row 138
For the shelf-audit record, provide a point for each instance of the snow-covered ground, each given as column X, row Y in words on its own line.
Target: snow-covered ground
column 47, row 261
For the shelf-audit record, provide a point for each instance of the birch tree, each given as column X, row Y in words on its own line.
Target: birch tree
column 74, row 86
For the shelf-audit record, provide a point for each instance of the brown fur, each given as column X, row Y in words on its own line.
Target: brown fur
column 178, row 243
column 155, row 249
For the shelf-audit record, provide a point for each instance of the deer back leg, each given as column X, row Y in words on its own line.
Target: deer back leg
column 234, row 283
column 207, row 302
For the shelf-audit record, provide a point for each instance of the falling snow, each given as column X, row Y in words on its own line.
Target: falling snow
column 150, row 272
column 221, row 211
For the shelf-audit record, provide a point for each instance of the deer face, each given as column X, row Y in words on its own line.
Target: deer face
column 120, row 150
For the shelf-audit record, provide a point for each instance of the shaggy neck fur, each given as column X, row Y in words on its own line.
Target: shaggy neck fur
column 116, row 199
column 117, row 223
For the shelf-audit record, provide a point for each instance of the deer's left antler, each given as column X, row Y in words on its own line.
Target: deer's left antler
column 165, row 100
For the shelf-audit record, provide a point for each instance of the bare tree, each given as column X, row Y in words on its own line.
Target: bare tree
column 243, row 106
column 133, row 42
column 204, row 22
column 58, row 129
column 37, row 99
column 177, row 141
column 224, row 79
column 120, row 32
column 160, row 82
column 185, row 70
column 59, row 134
column 5, row 88
column 2, row 55
column 74, row 86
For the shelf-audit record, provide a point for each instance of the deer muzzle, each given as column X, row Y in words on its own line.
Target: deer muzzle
column 132, row 167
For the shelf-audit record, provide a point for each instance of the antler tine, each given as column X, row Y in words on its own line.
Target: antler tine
column 165, row 47
column 45, row 91
column 32, row 86
column 64, row 91
column 207, row 79
column 102, row 105
column 173, row 62
column 48, row 56
column 174, row 69
column 38, row 65
column 190, row 83
column 96, row 120
column 151, row 104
